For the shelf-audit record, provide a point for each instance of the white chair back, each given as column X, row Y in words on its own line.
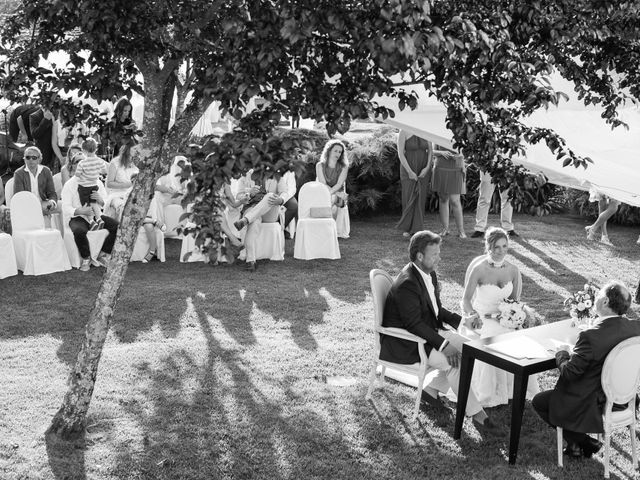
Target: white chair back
column 313, row 194
column 381, row 283
column 621, row 372
column 26, row 212
column 57, row 184
column 8, row 192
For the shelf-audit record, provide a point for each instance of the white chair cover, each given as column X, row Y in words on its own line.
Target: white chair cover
column 38, row 251
column 8, row 192
column 141, row 246
column 271, row 242
column 315, row 237
column 172, row 214
column 189, row 245
column 96, row 239
column 57, row 184
column 8, row 266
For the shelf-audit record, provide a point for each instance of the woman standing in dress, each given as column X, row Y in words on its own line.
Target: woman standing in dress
column 449, row 182
column 415, row 155
column 118, row 128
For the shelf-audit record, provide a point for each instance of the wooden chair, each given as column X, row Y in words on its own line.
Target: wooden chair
column 620, row 379
column 380, row 285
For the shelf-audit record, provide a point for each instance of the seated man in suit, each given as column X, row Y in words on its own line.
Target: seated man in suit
column 36, row 178
column 414, row 304
column 576, row 402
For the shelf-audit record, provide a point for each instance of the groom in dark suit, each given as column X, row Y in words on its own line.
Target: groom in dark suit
column 577, row 401
column 414, row 304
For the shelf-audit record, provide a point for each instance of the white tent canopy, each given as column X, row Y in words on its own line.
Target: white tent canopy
column 615, row 153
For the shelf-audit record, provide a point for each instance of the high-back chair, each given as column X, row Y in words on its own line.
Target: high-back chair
column 38, row 251
column 8, row 266
column 316, row 233
column 381, row 283
column 620, row 380
column 57, row 184
column 8, row 192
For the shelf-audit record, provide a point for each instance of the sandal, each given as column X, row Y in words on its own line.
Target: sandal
column 444, row 232
column 151, row 255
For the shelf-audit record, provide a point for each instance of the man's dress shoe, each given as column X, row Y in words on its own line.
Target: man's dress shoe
column 591, row 446
column 427, row 400
column 573, row 450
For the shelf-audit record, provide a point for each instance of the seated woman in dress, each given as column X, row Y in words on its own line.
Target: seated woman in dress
column 490, row 280
column 120, row 175
column 332, row 170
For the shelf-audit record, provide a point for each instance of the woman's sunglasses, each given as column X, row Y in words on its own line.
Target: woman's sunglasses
column 31, row 157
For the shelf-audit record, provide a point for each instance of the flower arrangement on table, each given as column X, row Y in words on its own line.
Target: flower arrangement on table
column 518, row 315
column 581, row 304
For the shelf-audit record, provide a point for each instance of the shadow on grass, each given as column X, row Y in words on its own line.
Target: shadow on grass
column 66, row 459
column 221, row 419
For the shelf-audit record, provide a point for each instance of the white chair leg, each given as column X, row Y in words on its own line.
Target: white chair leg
column 384, row 369
column 559, row 442
column 372, row 379
column 607, row 438
column 416, row 407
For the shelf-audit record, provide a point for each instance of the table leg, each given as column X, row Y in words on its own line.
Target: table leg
column 466, row 369
column 517, row 409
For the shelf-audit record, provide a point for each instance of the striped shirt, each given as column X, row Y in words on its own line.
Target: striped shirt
column 89, row 170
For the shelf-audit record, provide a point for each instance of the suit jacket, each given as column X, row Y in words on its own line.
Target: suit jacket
column 409, row 306
column 577, row 400
column 46, row 188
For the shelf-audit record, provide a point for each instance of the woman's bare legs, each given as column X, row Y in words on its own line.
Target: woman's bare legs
column 443, row 209
column 607, row 209
column 456, row 206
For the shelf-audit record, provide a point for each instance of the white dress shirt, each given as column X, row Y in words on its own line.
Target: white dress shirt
column 432, row 296
column 34, row 180
column 71, row 199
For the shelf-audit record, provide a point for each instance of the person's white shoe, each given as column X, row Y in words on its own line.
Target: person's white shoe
column 85, row 265
column 590, row 233
column 638, row 241
column 604, row 239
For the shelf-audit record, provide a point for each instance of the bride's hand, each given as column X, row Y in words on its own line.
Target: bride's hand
column 473, row 321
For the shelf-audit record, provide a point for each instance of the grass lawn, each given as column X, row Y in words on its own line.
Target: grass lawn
column 218, row 373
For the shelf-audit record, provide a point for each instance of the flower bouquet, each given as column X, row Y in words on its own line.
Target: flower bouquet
column 517, row 315
column 581, row 305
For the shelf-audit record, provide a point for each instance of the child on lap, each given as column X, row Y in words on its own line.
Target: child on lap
column 88, row 171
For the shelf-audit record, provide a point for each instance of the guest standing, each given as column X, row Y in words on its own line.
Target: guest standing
column 416, row 160
column 449, row 182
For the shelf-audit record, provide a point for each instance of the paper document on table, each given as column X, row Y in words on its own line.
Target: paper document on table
column 553, row 345
column 520, row 347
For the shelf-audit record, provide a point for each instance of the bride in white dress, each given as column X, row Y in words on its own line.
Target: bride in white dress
column 491, row 279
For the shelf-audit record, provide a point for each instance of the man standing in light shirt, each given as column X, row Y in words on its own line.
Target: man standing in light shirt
column 414, row 304
column 37, row 179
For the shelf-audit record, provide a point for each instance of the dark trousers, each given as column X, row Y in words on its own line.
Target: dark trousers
column 84, row 193
column 540, row 404
column 79, row 227
column 291, row 212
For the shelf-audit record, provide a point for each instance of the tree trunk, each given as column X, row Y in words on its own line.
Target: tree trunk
column 153, row 158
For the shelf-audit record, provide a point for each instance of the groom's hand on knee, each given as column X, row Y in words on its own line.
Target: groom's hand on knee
column 453, row 355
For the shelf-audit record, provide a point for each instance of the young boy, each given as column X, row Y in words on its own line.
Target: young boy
column 88, row 172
